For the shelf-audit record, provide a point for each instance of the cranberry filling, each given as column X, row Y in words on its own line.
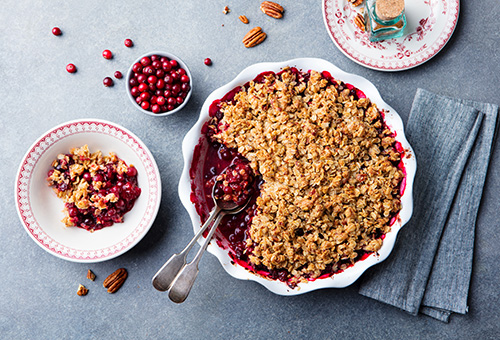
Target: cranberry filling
column 209, row 161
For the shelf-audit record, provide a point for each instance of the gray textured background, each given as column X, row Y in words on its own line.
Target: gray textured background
column 37, row 290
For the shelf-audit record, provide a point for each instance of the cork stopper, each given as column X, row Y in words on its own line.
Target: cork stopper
column 389, row 9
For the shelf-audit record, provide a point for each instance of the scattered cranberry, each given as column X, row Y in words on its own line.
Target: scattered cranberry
column 118, row 75
column 208, row 61
column 71, row 68
column 56, row 31
column 108, row 82
column 128, row 43
column 159, row 84
column 107, row 54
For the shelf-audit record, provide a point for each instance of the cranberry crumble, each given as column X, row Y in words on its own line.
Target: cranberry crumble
column 328, row 174
column 97, row 190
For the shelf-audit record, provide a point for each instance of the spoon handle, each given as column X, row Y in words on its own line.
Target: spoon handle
column 180, row 288
column 163, row 279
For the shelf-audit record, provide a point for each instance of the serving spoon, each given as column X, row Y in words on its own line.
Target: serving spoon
column 176, row 275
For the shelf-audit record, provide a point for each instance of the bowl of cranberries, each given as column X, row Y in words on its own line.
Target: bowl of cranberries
column 159, row 84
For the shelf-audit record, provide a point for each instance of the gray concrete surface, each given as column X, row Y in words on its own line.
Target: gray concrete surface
column 37, row 290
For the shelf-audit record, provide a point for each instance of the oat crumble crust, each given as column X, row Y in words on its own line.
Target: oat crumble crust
column 331, row 183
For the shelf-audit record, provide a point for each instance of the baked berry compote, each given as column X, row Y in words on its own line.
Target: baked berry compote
column 328, row 175
column 97, row 190
column 159, row 84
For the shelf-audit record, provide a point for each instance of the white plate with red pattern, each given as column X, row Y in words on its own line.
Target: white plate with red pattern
column 41, row 211
column 430, row 24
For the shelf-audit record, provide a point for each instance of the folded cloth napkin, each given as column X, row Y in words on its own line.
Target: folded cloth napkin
column 430, row 268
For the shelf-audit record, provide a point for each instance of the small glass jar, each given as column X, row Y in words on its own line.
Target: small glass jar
column 387, row 28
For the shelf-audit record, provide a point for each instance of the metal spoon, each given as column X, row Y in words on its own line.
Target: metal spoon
column 178, row 276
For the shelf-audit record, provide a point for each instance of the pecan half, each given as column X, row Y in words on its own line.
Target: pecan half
column 272, row 9
column 359, row 20
column 243, row 19
column 114, row 281
column 82, row 291
column 356, row 3
column 254, row 37
column 90, row 275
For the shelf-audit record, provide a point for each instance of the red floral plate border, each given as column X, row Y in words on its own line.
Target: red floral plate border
column 40, row 210
column 430, row 24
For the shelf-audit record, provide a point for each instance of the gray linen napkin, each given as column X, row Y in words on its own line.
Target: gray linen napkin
column 430, row 267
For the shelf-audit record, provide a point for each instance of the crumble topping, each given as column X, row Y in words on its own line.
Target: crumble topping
column 329, row 169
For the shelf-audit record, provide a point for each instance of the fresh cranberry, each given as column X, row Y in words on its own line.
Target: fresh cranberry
column 167, row 93
column 168, row 79
column 173, row 63
column 166, row 66
column 160, row 84
column 128, row 43
column 160, row 73
column 179, row 100
column 148, row 70
column 134, row 91
column 153, row 100
column 145, row 61
column 133, row 82
column 107, row 54
column 143, row 87
column 156, row 64
column 137, row 67
column 170, row 107
column 56, row 31
column 138, row 100
column 152, row 79
column 118, row 75
column 155, row 108
column 181, row 71
column 175, row 76
column 185, row 78
column 185, row 87
column 145, row 105
column 168, row 87
column 108, row 82
column 155, row 57
column 163, row 108
column 176, row 88
column 171, row 101
column 160, row 100
column 164, row 59
column 208, row 61
column 145, row 96
column 71, row 68
column 142, row 78
column 159, row 93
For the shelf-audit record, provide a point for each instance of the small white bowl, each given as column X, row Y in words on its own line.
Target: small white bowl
column 393, row 121
column 161, row 54
column 40, row 210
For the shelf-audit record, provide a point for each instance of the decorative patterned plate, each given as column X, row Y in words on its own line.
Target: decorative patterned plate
column 430, row 24
column 40, row 210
